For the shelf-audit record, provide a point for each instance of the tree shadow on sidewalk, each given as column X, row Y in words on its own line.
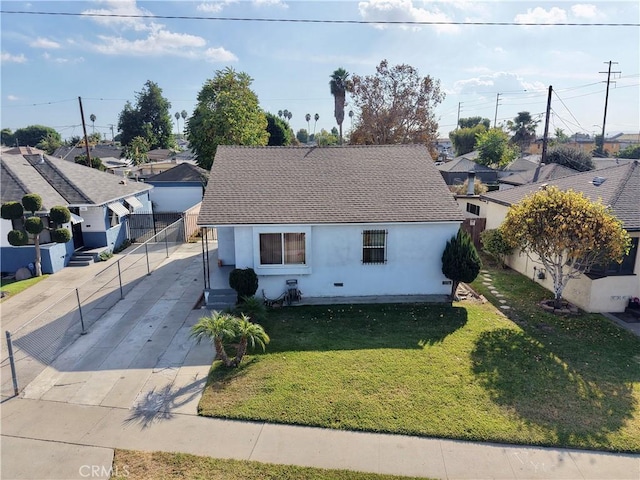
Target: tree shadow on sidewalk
column 159, row 404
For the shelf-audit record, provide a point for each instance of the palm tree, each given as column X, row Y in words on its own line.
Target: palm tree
column 177, row 115
column 92, row 117
column 316, row 117
column 307, row 117
column 250, row 334
column 280, row 113
column 285, row 114
column 338, row 86
column 289, row 115
column 351, row 117
column 184, row 116
column 218, row 328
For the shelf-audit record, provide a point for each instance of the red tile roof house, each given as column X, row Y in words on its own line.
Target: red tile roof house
column 345, row 222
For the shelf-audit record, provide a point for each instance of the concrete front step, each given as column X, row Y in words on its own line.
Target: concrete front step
column 219, row 299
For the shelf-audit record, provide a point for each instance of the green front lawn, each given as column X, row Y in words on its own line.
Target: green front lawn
column 13, row 287
column 465, row 372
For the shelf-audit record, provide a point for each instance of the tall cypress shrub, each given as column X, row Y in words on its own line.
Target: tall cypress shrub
column 460, row 261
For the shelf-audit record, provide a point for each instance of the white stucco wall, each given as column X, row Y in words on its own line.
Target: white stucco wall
column 334, row 256
column 5, row 228
column 175, row 199
column 94, row 219
column 226, row 249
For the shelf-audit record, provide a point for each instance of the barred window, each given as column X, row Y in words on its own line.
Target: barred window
column 474, row 209
column 282, row 249
column 374, row 246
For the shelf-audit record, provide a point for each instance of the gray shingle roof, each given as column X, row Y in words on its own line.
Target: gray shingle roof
column 349, row 184
column 547, row 172
column 462, row 164
column 61, row 182
column 183, row 172
column 620, row 191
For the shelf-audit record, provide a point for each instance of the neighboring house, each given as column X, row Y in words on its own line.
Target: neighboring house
column 178, row 189
column 350, row 221
column 149, row 169
column 457, row 171
column 100, row 204
column 546, row 172
column 613, row 144
column 604, row 289
column 523, row 164
column 101, row 150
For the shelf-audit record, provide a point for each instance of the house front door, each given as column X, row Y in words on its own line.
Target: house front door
column 78, row 241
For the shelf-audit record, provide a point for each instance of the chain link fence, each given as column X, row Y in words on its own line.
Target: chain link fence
column 42, row 339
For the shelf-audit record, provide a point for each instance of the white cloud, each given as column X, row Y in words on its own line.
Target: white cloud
column 219, row 55
column 495, row 82
column 584, row 10
column 158, row 42
column 62, row 60
column 12, row 98
column 9, row 58
column 403, row 11
column 215, row 6
column 121, row 13
column 540, row 15
column 270, row 3
column 44, row 43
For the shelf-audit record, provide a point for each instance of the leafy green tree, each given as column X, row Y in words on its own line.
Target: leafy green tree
column 50, row 143
column 464, row 139
column 338, row 86
column 32, row 135
column 6, row 137
column 460, row 261
column 96, row 162
column 494, row 149
column 149, row 118
column 560, row 137
column 137, row 150
column 566, row 232
column 524, row 130
column 494, row 243
column 33, row 224
column 471, row 122
column 632, row 151
column 279, row 132
column 325, row 139
column 227, row 113
column 302, row 136
column 396, row 105
column 570, row 157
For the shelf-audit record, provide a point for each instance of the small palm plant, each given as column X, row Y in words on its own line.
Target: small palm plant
column 250, row 334
column 218, row 329
column 223, row 328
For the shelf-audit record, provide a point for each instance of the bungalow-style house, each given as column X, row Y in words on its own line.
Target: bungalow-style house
column 606, row 288
column 178, row 189
column 456, row 172
column 100, row 204
column 349, row 221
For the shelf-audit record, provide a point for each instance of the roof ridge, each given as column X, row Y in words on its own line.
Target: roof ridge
column 68, row 181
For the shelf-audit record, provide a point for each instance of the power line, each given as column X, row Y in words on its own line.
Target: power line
column 307, row 20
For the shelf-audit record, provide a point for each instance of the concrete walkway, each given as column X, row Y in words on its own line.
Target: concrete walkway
column 135, row 381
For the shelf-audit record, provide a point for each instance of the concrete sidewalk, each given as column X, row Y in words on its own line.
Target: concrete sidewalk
column 135, row 381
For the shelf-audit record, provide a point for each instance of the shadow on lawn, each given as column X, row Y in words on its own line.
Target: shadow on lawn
column 566, row 395
column 358, row 327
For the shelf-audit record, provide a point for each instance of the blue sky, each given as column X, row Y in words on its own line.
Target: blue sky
column 48, row 61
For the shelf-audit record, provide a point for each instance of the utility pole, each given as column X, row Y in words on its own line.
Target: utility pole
column 545, row 138
column 495, row 118
column 458, row 120
column 111, row 127
column 606, row 102
column 84, row 129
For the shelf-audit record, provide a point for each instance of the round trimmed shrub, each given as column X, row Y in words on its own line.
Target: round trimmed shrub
column 59, row 215
column 32, row 202
column 61, row 235
column 244, row 281
column 33, row 225
column 11, row 210
column 17, row 238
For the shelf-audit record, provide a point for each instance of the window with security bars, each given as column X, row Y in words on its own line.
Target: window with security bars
column 374, row 246
column 282, row 249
